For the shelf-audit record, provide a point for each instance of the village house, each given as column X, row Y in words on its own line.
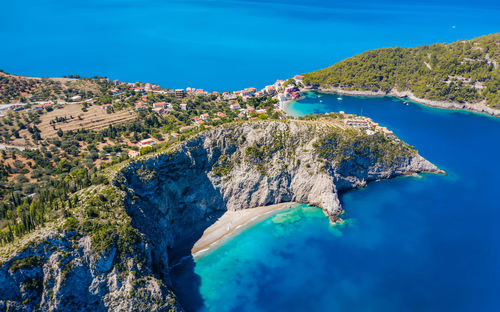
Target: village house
column 146, row 142
column 76, row 98
column 38, row 106
column 358, row 124
column 221, row 114
column 140, row 105
column 248, row 91
column 105, row 106
column 270, row 90
column 298, row 78
column 205, row 116
column 234, row 107
column 179, row 93
column 158, row 110
column 200, row 92
column 159, row 106
column 183, row 106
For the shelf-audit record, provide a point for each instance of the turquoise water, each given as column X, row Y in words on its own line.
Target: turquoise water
column 220, row 45
column 428, row 244
column 409, row 244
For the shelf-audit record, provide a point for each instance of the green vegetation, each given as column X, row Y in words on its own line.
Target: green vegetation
column 223, row 166
column 28, row 262
column 464, row 71
column 39, row 185
column 23, row 89
column 338, row 147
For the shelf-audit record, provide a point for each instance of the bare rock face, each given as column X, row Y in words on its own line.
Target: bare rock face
column 176, row 194
column 61, row 275
column 172, row 195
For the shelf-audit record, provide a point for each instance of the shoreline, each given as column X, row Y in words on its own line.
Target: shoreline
column 232, row 223
column 480, row 107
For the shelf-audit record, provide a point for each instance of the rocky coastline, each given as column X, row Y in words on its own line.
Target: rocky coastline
column 480, row 107
column 171, row 198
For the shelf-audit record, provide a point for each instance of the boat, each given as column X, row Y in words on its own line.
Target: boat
column 339, row 98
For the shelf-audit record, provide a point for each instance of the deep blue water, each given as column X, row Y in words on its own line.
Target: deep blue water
column 428, row 244
column 409, row 244
column 220, row 45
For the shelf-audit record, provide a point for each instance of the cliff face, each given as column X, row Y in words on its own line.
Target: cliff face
column 172, row 196
column 65, row 273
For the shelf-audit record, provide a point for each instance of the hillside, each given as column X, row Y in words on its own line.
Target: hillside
column 106, row 246
column 21, row 89
column 462, row 72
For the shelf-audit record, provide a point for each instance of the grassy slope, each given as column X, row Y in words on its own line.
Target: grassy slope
column 463, row 71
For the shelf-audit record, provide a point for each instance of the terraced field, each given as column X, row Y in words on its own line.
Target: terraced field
column 94, row 118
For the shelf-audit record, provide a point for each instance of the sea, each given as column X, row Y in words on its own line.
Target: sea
column 220, row 45
column 428, row 243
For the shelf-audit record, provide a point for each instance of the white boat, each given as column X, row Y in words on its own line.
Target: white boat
column 339, row 98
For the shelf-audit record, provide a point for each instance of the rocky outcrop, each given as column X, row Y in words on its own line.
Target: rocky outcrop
column 64, row 274
column 172, row 196
column 175, row 194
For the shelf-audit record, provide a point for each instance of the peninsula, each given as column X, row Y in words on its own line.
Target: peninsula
column 460, row 75
column 106, row 184
column 106, row 246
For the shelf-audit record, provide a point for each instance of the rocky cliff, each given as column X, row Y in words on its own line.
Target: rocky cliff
column 120, row 261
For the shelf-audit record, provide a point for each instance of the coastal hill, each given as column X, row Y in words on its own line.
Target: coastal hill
column 463, row 74
column 106, row 246
column 20, row 88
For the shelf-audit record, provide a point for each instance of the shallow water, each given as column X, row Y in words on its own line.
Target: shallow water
column 409, row 244
column 220, row 45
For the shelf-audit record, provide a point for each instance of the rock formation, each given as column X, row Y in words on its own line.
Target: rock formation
column 171, row 196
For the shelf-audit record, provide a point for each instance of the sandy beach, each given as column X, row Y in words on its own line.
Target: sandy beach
column 232, row 223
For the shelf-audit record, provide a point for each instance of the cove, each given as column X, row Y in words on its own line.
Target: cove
column 408, row 244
